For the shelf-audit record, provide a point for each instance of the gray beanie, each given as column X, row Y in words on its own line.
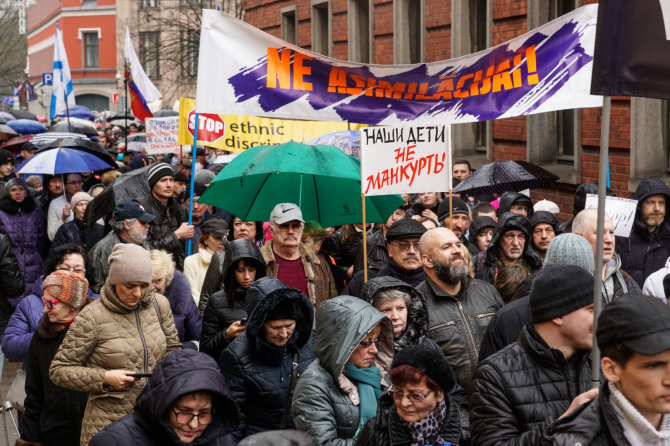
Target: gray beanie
column 15, row 182
column 204, row 177
column 570, row 249
column 130, row 263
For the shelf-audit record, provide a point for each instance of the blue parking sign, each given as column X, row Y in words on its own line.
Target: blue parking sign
column 47, row 78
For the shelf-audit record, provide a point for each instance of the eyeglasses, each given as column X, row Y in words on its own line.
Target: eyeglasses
column 185, row 417
column 404, row 246
column 414, row 397
column 72, row 270
column 50, row 303
column 366, row 343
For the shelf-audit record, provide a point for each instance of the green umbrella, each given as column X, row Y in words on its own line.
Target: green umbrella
column 322, row 180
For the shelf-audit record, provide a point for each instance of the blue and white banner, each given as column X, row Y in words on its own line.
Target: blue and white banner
column 243, row 70
column 62, row 79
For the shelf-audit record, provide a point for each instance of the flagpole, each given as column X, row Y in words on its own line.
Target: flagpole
column 190, row 198
column 125, row 110
column 67, row 112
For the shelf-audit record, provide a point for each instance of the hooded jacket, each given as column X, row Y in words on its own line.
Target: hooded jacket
column 390, row 269
column 645, row 252
column 11, row 279
column 108, row 335
column 180, row 373
column 507, row 199
column 161, row 234
column 417, row 315
column 221, row 309
column 486, row 266
column 260, row 374
column 76, row 232
column 326, row 403
column 477, row 225
column 519, row 391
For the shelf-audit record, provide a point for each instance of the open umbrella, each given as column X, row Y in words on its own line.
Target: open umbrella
column 78, row 111
column 4, row 117
column 137, row 137
column 131, row 186
column 26, row 126
column 23, row 114
column 348, row 141
column 76, row 126
column 502, row 176
column 14, row 145
column 322, row 180
column 80, row 144
column 47, row 138
column 6, row 132
column 164, row 113
column 62, row 161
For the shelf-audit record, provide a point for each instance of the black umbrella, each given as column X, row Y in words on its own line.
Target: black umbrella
column 82, row 144
column 502, row 176
column 164, row 113
column 75, row 127
column 131, row 186
column 120, row 116
column 23, row 114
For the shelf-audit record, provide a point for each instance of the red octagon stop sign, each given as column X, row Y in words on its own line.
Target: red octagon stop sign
column 211, row 127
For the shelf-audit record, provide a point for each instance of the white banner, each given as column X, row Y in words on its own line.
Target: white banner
column 620, row 210
column 162, row 135
column 405, row 159
column 243, row 70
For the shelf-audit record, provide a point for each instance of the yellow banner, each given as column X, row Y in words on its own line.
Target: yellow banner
column 236, row 133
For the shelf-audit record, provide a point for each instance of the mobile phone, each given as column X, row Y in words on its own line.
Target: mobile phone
column 243, row 321
column 139, row 375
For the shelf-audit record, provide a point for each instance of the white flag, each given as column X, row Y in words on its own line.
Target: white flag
column 62, row 79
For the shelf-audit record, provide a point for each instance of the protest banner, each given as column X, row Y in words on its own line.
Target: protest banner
column 543, row 70
column 620, row 210
column 239, row 133
column 405, row 159
column 162, row 135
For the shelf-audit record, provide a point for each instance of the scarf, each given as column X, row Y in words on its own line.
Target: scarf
column 427, row 431
column 637, row 429
column 369, row 389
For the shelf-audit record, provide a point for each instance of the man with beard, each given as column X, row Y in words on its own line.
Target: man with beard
column 508, row 246
column 289, row 260
column 130, row 224
column 520, row 390
column 459, row 307
column 648, row 246
column 457, row 219
column 543, row 227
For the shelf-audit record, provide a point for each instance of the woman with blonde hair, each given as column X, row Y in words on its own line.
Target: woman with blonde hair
column 212, row 240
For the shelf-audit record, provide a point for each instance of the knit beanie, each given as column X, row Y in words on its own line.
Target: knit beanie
column 458, row 206
column 80, row 196
column 431, row 360
column 130, row 263
column 204, row 176
column 158, row 171
column 71, row 290
column 15, row 182
column 570, row 249
column 559, row 290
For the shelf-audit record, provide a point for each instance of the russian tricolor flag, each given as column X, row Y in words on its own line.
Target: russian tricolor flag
column 140, row 88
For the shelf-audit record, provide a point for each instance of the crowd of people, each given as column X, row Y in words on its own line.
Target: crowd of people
column 474, row 325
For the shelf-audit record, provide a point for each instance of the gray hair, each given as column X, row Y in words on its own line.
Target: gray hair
column 119, row 225
column 390, row 294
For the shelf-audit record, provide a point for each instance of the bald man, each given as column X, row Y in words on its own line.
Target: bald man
column 459, row 307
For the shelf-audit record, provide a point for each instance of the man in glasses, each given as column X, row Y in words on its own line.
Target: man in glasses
column 60, row 211
column 404, row 263
column 186, row 401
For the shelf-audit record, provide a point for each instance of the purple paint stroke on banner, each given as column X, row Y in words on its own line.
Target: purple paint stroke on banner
column 558, row 57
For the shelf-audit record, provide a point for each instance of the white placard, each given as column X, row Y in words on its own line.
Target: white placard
column 620, row 210
column 405, row 159
column 162, row 135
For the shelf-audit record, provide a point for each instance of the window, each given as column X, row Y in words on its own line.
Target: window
column 189, row 47
column 479, row 42
column 148, row 3
column 91, row 49
column 360, row 31
column 321, row 28
column 408, row 26
column 149, row 44
column 289, row 24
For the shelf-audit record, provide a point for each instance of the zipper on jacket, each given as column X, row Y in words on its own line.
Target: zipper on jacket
column 468, row 328
column 144, row 344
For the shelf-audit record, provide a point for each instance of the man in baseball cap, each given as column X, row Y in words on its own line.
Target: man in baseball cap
column 633, row 406
column 290, row 261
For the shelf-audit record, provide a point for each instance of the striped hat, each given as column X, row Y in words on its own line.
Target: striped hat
column 158, row 171
column 70, row 290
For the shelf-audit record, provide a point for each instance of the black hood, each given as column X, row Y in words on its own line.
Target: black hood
column 242, row 249
column 544, row 217
column 509, row 198
column 182, row 372
column 291, row 301
column 649, row 187
column 582, row 191
column 508, row 222
column 259, row 289
column 478, row 224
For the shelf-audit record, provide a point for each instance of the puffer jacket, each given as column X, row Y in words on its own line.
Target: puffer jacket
column 320, row 282
column 221, row 311
column 11, row 277
column 98, row 259
column 653, row 286
column 326, row 403
column 593, row 424
column 486, row 262
column 109, row 335
column 161, row 234
column 213, row 280
column 507, row 199
column 457, row 323
column 391, row 269
column 262, row 376
column 645, row 252
column 52, row 414
column 521, row 390
column 24, row 225
column 417, row 316
column 75, row 232
column 187, row 318
column 180, row 373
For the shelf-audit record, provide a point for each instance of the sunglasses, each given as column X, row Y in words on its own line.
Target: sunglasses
column 50, row 303
column 366, row 343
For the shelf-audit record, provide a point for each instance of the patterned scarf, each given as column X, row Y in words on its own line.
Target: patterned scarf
column 427, row 431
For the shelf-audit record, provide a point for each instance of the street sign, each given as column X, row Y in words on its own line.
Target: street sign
column 115, row 98
column 211, row 127
column 8, row 100
column 47, row 78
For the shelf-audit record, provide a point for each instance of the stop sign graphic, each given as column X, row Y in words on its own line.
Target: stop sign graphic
column 211, row 127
